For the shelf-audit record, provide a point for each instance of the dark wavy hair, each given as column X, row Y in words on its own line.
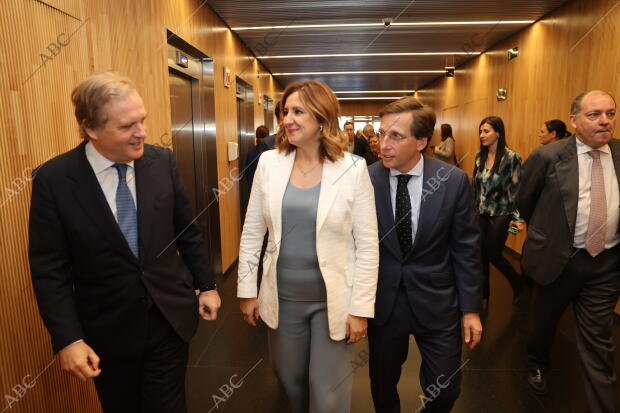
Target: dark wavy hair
column 558, row 127
column 498, row 126
column 446, row 131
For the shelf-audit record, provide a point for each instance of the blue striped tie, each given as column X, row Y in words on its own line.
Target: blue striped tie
column 126, row 210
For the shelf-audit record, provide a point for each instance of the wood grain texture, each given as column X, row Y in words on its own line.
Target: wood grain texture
column 565, row 53
column 47, row 48
column 363, row 108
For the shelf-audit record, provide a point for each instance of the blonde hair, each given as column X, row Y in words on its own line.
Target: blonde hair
column 322, row 103
column 91, row 95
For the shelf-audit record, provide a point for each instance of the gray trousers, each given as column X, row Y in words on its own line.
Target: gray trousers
column 316, row 372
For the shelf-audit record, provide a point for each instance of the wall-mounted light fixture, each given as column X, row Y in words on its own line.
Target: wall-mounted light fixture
column 449, row 71
column 502, row 94
column 513, row 53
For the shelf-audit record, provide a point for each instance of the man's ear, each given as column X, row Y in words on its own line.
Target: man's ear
column 572, row 120
column 421, row 143
column 92, row 134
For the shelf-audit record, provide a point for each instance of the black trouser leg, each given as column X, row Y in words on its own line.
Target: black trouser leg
column 389, row 345
column 153, row 382
column 440, row 372
column 486, row 274
column 593, row 308
column 162, row 385
column 496, row 233
column 548, row 305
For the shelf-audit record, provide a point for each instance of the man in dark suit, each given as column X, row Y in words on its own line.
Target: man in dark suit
column 569, row 199
column 357, row 145
column 111, row 239
column 270, row 141
column 430, row 277
column 262, row 132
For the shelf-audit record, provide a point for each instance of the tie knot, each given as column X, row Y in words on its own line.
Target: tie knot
column 122, row 170
column 403, row 179
column 595, row 154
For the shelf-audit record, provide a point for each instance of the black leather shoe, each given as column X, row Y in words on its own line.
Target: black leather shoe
column 537, row 380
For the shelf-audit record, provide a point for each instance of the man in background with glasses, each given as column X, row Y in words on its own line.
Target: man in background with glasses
column 430, row 277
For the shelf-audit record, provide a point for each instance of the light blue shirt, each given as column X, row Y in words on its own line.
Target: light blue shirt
column 107, row 176
column 414, row 186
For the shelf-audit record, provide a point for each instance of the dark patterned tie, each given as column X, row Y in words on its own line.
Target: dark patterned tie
column 403, row 215
column 126, row 210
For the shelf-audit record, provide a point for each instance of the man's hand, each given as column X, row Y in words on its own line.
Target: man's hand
column 356, row 328
column 79, row 359
column 249, row 309
column 472, row 329
column 208, row 304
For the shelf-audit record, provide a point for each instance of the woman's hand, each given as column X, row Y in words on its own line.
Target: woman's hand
column 520, row 226
column 249, row 309
column 356, row 328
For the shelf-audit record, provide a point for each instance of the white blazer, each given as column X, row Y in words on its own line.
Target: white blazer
column 346, row 238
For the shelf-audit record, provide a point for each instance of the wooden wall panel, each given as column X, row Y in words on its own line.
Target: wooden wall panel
column 37, row 123
column 569, row 51
column 352, row 108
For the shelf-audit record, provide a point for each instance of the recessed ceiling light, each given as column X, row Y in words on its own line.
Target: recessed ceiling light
column 374, row 91
column 360, row 72
column 368, row 55
column 346, row 25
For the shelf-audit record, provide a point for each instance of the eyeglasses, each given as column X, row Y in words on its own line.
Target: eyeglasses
column 393, row 136
column 597, row 115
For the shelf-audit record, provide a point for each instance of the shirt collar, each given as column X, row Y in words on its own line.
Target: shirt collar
column 583, row 148
column 98, row 161
column 415, row 171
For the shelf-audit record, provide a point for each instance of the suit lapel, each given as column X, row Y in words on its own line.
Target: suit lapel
column 384, row 211
column 87, row 191
column 431, row 200
column 567, row 173
column 145, row 201
column 280, row 178
column 331, row 179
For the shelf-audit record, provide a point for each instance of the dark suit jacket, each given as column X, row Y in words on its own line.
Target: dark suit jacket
column 361, row 147
column 547, row 200
column 88, row 283
column 442, row 274
column 268, row 143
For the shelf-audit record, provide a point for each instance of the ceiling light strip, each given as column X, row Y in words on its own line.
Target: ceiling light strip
column 401, row 24
column 361, row 72
column 373, row 91
column 368, row 55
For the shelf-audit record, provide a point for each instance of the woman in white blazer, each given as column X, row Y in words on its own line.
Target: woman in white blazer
column 320, row 269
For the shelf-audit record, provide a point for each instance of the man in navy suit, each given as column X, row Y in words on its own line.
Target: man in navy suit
column 116, row 256
column 429, row 269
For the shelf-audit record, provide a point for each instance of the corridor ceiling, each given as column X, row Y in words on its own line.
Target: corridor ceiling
column 453, row 30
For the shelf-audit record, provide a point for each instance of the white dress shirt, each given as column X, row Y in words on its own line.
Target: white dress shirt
column 611, row 195
column 107, row 175
column 414, row 186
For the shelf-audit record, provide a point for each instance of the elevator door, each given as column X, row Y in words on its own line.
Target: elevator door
column 183, row 132
column 245, row 133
